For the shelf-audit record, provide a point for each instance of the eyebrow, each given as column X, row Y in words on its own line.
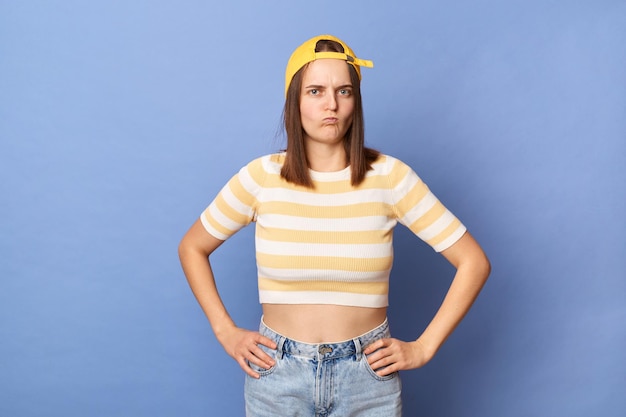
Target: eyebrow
column 320, row 87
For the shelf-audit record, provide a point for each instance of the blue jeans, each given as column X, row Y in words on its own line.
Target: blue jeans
column 322, row 380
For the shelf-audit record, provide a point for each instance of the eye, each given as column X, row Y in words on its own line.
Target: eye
column 345, row 92
column 314, row 91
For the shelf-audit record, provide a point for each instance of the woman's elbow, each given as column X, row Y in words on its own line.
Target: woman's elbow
column 486, row 267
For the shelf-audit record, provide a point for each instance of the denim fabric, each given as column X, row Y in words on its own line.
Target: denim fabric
column 322, row 380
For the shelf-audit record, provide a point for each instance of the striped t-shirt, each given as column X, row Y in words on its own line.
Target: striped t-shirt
column 331, row 244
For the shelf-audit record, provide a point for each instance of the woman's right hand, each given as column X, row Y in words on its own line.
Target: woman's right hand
column 242, row 345
column 194, row 251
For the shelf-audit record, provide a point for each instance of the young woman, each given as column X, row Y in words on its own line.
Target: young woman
column 325, row 210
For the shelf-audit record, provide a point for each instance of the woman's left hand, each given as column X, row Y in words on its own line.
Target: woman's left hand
column 387, row 356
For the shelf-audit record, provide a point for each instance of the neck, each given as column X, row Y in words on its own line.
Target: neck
column 323, row 160
column 326, row 158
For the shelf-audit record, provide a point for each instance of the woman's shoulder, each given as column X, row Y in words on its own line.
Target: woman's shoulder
column 275, row 160
column 269, row 162
column 393, row 170
column 385, row 164
column 262, row 166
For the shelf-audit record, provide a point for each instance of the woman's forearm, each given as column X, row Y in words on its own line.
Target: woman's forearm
column 473, row 268
column 194, row 251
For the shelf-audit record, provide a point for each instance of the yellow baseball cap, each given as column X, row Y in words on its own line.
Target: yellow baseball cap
column 305, row 53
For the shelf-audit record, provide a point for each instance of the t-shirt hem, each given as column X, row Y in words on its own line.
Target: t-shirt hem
column 324, row 297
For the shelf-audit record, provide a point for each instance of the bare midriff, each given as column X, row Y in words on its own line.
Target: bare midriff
column 321, row 323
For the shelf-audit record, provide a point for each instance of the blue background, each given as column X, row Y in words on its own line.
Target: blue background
column 120, row 120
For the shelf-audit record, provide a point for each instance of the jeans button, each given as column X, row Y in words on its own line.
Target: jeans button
column 325, row 349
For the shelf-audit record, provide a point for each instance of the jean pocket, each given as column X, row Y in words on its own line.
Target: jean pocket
column 373, row 373
column 262, row 371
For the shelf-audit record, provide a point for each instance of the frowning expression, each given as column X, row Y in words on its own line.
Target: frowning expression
column 326, row 101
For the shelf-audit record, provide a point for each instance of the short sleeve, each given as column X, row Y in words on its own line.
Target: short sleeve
column 236, row 204
column 418, row 209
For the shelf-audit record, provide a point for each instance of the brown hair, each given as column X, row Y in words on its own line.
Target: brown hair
column 360, row 158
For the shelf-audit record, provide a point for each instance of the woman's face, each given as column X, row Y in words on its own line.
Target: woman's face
column 326, row 102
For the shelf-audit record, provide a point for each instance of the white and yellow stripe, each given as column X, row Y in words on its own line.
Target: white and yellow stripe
column 331, row 244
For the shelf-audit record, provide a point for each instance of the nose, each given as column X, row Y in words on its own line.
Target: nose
column 331, row 102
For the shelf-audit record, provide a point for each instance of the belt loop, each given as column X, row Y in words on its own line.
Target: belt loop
column 279, row 347
column 358, row 348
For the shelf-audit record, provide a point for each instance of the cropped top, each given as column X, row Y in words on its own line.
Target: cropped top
column 331, row 244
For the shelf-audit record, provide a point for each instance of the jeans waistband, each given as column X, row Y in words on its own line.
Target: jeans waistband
column 325, row 351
